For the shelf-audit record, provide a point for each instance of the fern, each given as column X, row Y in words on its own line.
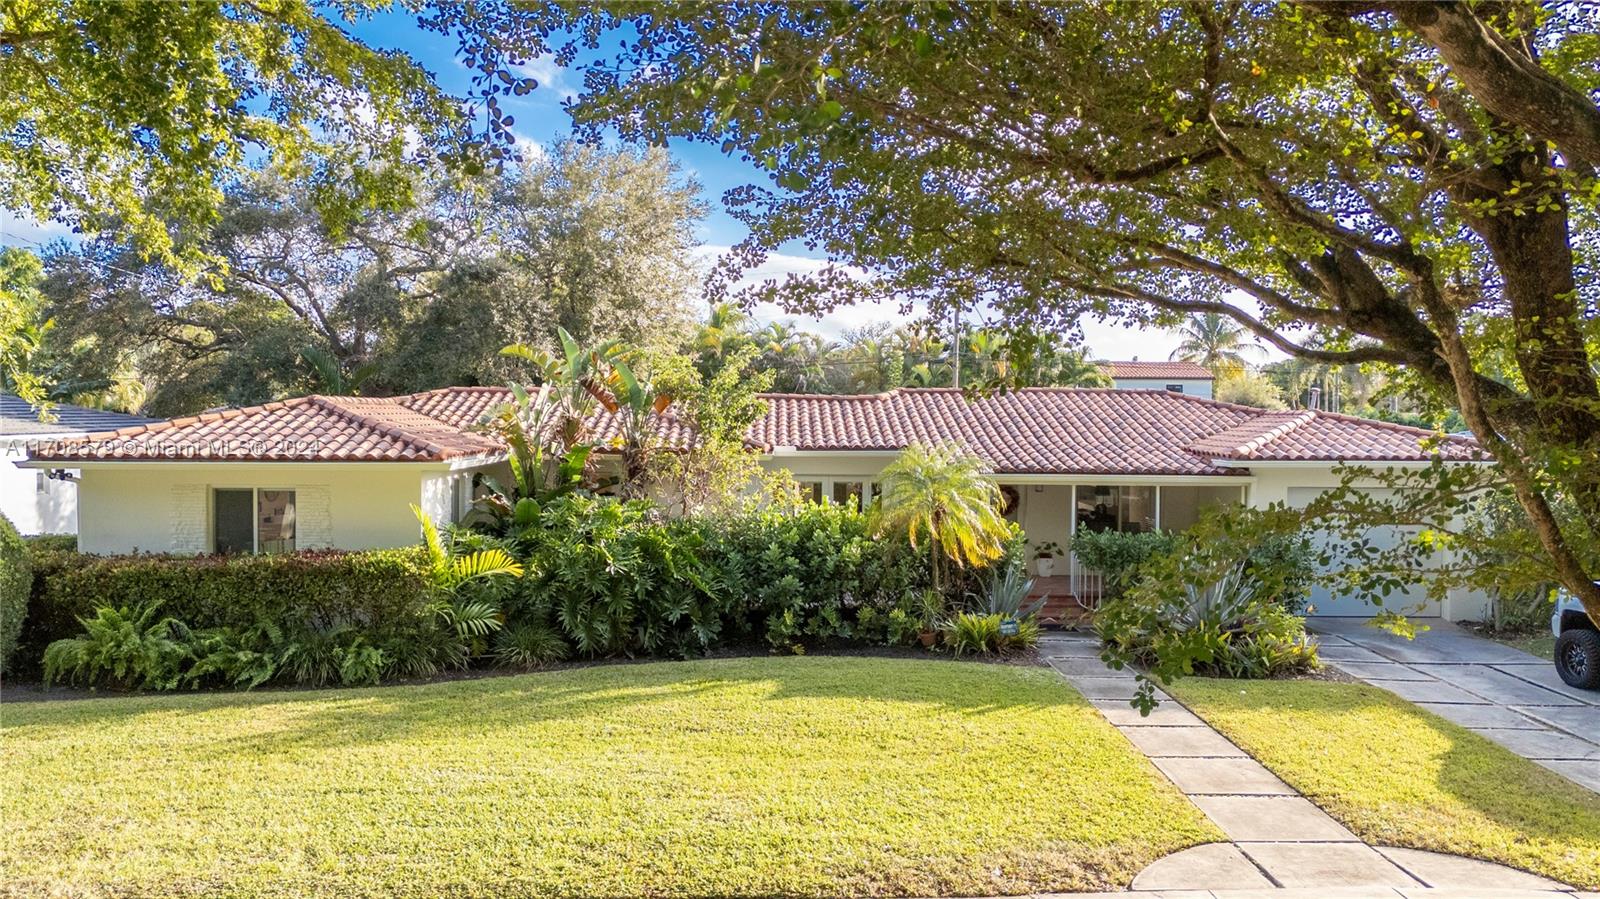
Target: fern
column 122, row 647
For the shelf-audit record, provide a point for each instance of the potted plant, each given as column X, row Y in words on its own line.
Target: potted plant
column 1045, row 554
column 932, row 611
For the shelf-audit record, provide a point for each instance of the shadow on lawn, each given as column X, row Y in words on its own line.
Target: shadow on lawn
column 372, row 715
column 1537, row 805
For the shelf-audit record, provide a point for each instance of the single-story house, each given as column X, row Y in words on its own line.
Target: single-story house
column 1187, row 378
column 331, row 471
column 31, row 499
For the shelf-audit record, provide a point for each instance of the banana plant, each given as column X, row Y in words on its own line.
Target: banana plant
column 638, row 402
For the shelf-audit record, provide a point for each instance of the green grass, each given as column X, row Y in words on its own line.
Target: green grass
column 794, row 776
column 1540, row 643
column 1399, row 776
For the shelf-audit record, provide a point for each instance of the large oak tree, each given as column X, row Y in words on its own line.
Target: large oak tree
column 1402, row 184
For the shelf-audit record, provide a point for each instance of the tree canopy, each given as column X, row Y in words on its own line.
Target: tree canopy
column 142, row 112
column 1400, row 184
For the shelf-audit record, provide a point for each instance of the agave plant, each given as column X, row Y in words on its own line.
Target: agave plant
column 1007, row 595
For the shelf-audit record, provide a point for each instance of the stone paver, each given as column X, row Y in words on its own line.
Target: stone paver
column 1585, row 773
column 1438, row 870
column 1328, row 865
column 1383, row 671
column 1238, row 776
column 1541, row 744
column 1501, row 693
column 1481, row 715
column 1167, row 714
column 1160, row 742
column 1493, row 685
column 1428, row 691
column 1209, row 866
column 1583, row 723
column 1272, row 819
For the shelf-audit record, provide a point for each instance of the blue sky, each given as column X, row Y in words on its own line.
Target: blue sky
column 540, row 118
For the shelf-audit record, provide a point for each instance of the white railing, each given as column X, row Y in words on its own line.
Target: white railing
column 1084, row 584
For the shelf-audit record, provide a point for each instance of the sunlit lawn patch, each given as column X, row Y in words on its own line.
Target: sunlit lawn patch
column 801, row 776
column 1399, row 776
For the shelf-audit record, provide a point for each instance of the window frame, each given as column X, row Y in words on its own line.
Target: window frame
column 255, row 516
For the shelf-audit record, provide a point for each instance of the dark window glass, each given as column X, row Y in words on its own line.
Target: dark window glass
column 233, row 521
column 1175, row 388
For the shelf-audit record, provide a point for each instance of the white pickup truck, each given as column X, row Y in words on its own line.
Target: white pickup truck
column 1577, row 643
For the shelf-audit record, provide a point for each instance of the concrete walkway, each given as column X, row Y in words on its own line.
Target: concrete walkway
column 1280, row 844
column 1504, row 694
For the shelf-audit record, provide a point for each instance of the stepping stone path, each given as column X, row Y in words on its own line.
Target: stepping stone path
column 1501, row 693
column 1281, row 845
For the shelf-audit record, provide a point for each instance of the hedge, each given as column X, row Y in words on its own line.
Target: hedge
column 16, row 581
column 312, row 590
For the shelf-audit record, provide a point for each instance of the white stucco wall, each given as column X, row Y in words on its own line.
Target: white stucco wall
column 1200, row 387
column 1280, row 483
column 50, row 510
column 166, row 507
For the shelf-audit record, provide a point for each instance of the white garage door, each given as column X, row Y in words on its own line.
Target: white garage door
column 1413, row 602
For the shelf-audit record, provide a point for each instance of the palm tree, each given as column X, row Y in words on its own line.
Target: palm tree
column 940, row 494
column 1215, row 341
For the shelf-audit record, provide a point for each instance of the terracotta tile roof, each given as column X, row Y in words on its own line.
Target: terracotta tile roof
column 1331, row 437
column 1031, row 431
column 305, row 429
column 1179, row 370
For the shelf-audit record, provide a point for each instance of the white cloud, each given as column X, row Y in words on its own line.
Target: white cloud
column 778, row 266
column 551, row 77
column 21, row 229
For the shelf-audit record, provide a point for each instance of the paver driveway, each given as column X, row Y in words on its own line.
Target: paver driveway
column 1506, row 695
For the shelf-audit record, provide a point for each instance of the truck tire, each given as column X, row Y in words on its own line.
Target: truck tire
column 1578, row 658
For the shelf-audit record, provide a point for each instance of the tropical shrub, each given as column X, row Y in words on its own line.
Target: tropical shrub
column 808, row 576
column 984, row 633
column 16, row 581
column 619, row 578
column 939, row 497
column 123, row 647
column 1117, row 555
column 1229, row 628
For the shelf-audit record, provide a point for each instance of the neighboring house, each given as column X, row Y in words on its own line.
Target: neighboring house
column 33, row 500
column 1186, row 378
column 342, row 471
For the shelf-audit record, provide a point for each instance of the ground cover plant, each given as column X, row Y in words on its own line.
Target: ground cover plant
column 1399, row 776
column 804, row 776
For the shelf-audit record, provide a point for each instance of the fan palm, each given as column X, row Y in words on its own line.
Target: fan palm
column 939, row 495
column 1215, row 341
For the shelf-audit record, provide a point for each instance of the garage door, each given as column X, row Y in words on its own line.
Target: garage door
column 1413, row 601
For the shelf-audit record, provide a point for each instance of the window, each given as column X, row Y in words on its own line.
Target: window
column 810, row 491
column 847, row 493
column 247, row 520
column 459, row 487
column 1106, row 508
column 1175, row 388
column 41, row 482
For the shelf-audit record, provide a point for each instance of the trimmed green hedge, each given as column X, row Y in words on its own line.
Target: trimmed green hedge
column 386, row 589
column 16, row 580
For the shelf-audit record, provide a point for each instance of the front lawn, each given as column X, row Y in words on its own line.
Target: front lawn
column 1399, row 776
column 797, row 776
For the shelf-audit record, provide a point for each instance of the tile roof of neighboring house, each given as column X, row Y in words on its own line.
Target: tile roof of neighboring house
column 1031, row 431
column 19, row 418
column 1180, row 370
column 306, row 429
